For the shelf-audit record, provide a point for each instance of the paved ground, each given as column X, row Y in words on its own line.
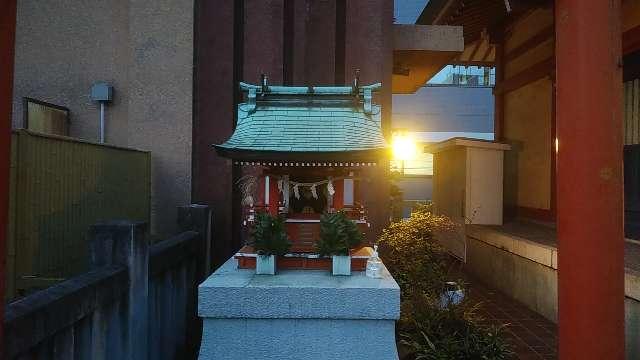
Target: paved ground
column 531, row 335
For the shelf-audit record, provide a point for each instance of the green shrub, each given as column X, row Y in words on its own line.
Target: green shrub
column 338, row 234
column 268, row 236
column 420, row 266
column 412, row 255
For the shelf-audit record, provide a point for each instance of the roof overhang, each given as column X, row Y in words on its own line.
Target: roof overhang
column 420, row 51
column 484, row 23
column 371, row 155
column 477, row 53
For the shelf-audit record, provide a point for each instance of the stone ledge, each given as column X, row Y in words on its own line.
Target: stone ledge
column 297, row 294
column 632, row 284
column 539, row 253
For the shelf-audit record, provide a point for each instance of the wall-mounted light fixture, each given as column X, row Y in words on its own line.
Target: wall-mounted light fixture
column 102, row 93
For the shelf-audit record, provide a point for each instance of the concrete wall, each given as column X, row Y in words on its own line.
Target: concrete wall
column 527, row 281
column 138, row 302
column 632, row 327
column 528, row 130
column 528, row 116
column 145, row 50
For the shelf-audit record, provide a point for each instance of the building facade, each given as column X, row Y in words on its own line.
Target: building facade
column 144, row 49
column 297, row 42
column 175, row 66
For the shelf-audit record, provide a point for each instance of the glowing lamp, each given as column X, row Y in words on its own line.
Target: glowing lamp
column 404, row 147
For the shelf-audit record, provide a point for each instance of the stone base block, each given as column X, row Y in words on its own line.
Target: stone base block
column 296, row 339
column 297, row 314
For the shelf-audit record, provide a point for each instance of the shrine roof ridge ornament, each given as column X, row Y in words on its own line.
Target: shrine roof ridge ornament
column 309, row 90
column 355, row 94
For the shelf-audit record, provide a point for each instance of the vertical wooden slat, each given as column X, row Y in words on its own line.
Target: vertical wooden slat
column 628, row 101
column 636, row 109
column 636, row 116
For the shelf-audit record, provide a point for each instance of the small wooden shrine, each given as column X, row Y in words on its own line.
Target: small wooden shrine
column 303, row 150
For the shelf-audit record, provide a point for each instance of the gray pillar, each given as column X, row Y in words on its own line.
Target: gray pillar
column 126, row 243
column 197, row 218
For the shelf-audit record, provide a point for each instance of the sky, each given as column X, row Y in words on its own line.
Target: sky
column 407, row 11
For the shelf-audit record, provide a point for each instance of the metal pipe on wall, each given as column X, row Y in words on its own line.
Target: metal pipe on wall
column 102, row 122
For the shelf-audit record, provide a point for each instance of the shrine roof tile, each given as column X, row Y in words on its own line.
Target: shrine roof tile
column 307, row 124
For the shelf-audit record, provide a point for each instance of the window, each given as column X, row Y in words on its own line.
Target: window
column 347, row 199
column 46, row 118
column 458, row 75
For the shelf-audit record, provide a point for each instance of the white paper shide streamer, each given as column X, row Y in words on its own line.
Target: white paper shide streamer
column 330, row 188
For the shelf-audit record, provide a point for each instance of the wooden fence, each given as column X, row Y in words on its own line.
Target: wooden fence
column 59, row 187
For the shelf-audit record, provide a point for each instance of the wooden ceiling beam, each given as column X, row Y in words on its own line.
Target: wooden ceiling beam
column 537, row 71
column 519, row 6
column 487, row 52
column 473, row 63
column 476, row 48
column 446, row 11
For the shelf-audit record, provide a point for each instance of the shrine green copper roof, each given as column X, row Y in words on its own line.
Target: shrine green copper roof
column 305, row 120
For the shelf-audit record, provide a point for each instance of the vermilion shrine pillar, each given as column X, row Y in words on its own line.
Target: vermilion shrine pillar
column 7, row 40
column 590, row 179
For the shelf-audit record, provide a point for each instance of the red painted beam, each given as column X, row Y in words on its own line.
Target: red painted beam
column 7, row 40
column 590, row 179
column 631, row 40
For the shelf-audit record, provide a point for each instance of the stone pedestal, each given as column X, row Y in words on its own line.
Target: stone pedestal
column 297, row 314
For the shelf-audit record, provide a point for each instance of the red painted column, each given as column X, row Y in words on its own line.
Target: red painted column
column 7, row 41
column 590, row 178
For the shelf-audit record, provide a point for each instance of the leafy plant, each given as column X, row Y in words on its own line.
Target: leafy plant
column 412, row 255
column 269, row 236
column 420, row 265
column 338, row 234
column 454, row 332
